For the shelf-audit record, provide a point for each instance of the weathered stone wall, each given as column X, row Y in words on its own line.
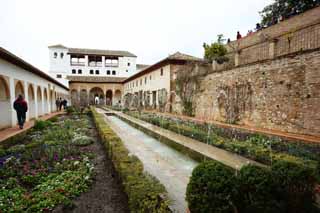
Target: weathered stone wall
column 280, row 94
column 299, row 33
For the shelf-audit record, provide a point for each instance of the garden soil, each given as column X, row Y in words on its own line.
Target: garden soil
column 106, row 193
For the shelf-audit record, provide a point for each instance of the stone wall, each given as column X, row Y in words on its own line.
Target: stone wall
column 280, row 94
column 299, row 33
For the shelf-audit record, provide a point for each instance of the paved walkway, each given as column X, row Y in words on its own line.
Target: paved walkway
column 9, row 132
column 277, row 133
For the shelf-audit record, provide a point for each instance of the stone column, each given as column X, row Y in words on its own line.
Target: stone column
column 12, row 99
column 103, row 61
column 49, row 99
column 26, row 97
column 42, row 100
column 272, row 53
column 35, row 101
column 236, row 59
column 86, row 60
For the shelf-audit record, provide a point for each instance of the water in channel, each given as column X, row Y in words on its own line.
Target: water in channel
column 172, row 168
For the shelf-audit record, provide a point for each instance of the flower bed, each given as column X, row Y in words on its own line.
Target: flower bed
column 43, row 169
column 256, row 147
column 145, row 193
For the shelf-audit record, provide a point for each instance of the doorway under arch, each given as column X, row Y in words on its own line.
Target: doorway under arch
column 109, row 97
column 39, row 101
column 31, row 102
column 96, row 92
column 19, row 89
column 5, row 117
column 45, row 100
column 117, row 98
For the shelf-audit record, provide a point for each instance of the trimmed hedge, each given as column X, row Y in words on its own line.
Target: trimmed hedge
column 145, row 193
column 210, row 188
column 285, row 187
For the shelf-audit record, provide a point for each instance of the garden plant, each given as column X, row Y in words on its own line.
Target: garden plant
column 47, row 166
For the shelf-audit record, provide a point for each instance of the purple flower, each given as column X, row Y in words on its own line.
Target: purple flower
column 55, row 157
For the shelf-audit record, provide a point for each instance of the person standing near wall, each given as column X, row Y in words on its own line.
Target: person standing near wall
column 21, row 107
column 58, row 103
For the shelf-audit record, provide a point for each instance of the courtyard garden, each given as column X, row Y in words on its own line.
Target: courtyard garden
column 49, row 168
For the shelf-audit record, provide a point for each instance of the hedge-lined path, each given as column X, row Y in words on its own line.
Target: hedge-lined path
column 10, row 132
column 172, row 168
column 106, row 194
column 228, row 158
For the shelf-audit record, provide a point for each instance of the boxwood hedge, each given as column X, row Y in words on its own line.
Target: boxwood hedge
column 284, row 187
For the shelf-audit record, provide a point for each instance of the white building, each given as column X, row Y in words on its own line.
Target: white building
column 66, row 61
column 154, row 87
column 39, row 89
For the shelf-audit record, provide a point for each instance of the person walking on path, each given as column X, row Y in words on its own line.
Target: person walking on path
column 58, row 104
column 21, row 107
column 64, row 103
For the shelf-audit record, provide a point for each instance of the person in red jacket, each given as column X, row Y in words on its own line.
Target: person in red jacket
column 21, row 107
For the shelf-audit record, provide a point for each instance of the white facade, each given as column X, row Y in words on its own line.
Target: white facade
column 61, row 64
column 153, row 81
column 39, row 92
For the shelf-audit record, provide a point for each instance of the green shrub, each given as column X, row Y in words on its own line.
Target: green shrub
column 71, row 109
column 294, row 185
column 81, row 140
column 2, row 152
column 17, row 148
column 54, row 119
column 255, row 190
column 317, row 171
column 41, row 125
column 211, row 188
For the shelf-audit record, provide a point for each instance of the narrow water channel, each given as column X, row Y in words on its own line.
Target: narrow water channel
column 172, row 168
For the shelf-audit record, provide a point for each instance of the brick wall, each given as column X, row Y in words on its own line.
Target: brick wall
column 281, row 94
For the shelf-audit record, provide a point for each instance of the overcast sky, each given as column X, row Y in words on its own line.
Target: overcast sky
column 150, row 29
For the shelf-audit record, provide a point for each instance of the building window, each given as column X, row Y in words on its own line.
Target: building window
column 128, row 64
column 59, row 76
column 113, row 72
column 77, row 60
column 91, row 72
column 140, row 82
column 97, row 72
column 145, row 80
column 108, row 72
column 161, row 71
column 111, row 62
column 150, row 77
column 95, row 61
column 61, row 55
column 74, row 71
column 79, row 71
column 55, row 55
column 137, row 83
column 126, row 70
